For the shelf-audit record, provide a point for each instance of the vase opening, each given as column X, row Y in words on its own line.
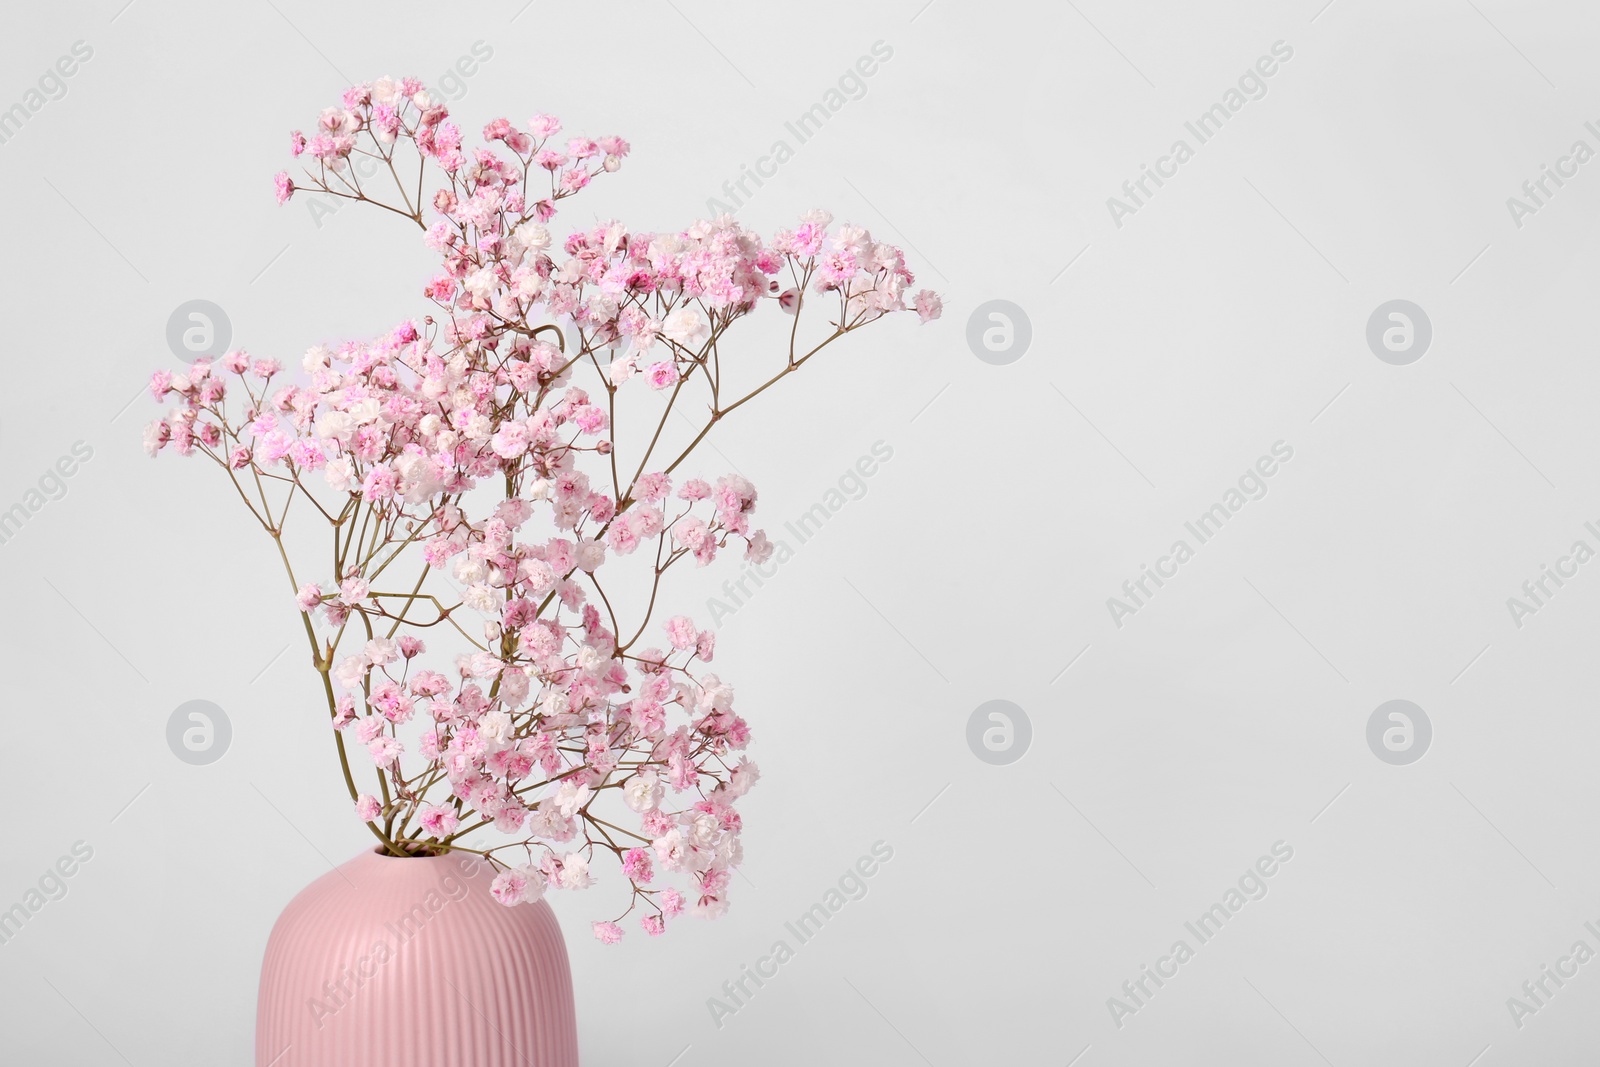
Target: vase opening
column 413, row 850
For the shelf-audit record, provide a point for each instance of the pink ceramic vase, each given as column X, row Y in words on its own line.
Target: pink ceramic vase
column 389, row 962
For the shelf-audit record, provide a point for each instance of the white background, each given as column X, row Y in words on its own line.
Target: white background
column 1230, row 713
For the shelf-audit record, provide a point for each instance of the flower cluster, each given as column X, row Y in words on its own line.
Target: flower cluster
column 478, row 502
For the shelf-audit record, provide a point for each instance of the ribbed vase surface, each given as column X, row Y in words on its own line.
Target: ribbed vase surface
column 389, row 962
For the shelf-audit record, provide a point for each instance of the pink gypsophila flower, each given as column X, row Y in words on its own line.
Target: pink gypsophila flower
column 636, row 865
column 681, row 631
column 662, row 375
column 518, row 885
column 437, row 821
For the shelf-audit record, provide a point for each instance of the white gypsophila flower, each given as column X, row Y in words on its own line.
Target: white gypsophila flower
column 686, row 327
column 496, row 726
column 643, row 793
column 365, row 411
column 350, row 671
column 479, row 597
column 570, row 798
column 575, row 871
column 336, row 426
column 590, row 554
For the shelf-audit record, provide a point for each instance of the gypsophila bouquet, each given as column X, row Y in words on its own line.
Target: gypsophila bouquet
column 461, row 484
